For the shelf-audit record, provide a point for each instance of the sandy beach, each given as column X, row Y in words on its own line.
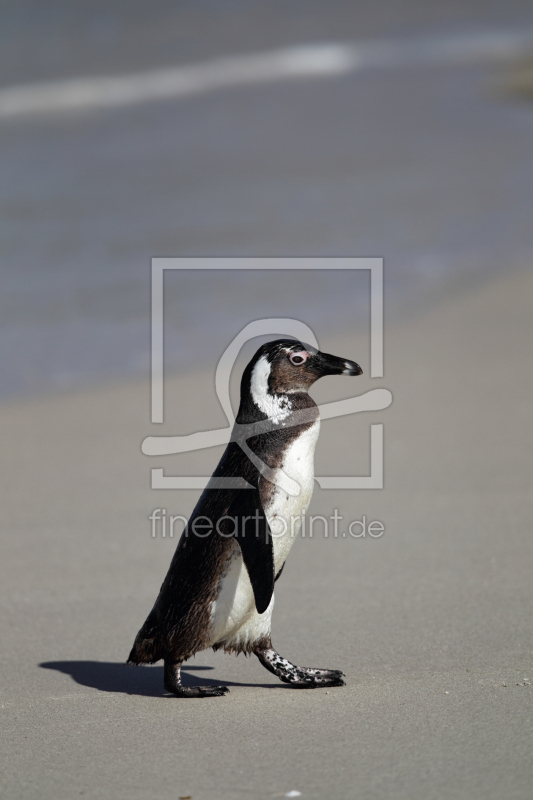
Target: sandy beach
column 430, row 622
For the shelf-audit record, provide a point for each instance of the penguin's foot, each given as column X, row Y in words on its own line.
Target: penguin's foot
column 299, row 677
column 173, row 684
column 198, row 691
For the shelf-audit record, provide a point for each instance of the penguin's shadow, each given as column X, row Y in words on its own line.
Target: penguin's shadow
column 145, row 681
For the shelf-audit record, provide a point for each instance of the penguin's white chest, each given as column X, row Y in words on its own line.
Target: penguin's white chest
column 284, row 512
column 234, row 619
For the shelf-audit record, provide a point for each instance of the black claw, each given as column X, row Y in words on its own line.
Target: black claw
column 310, row 682
column 331, row 672
column 199, row 691
column 213, row 691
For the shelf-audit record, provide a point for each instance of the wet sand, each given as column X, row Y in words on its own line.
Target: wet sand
column 430, row 622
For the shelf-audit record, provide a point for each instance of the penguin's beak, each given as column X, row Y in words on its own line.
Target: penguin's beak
column 326, row 364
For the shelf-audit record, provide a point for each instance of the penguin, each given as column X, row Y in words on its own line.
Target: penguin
column 219, row 589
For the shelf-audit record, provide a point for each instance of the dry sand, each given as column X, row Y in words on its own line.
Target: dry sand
column 431, row 622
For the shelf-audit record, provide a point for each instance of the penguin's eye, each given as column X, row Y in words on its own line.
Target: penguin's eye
column 298, row 358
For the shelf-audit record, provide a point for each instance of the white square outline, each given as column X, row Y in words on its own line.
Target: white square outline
column 375, row 265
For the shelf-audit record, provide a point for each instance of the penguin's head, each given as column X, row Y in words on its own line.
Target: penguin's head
column 286, row 366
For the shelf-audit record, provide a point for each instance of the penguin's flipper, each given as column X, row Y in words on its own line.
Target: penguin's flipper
column 252, row 532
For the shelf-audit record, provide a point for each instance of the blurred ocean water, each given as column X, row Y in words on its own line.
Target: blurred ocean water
column 426, row 165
